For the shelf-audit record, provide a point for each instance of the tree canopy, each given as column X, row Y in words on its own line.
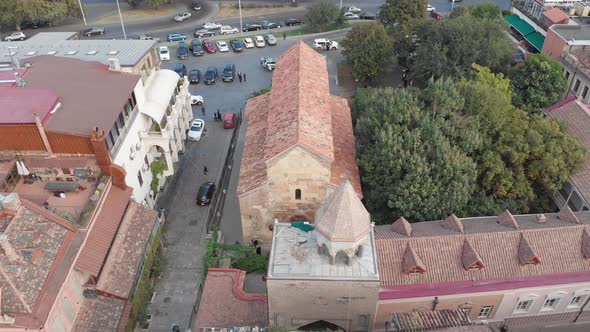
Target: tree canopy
column 401, row 11
column 538, row 83
column 322, row 14
column 53, row 11
column 368, row 49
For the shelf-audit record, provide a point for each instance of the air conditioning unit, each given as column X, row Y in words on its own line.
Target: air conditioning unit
column 132, row 155
column 114, row 64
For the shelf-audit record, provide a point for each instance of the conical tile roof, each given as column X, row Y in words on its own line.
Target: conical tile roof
column 469, row 256
column 411, row 261
column 402, row 226
column 343, row 217
column 526, row 252
column 453, row 223
column 507, row 219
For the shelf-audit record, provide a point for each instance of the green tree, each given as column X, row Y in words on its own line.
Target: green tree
column 52, row 11
column 538, row 83
column 321, row 15
column 489, row 11
column 7, row 13
column 401, row 11
column 367, row 48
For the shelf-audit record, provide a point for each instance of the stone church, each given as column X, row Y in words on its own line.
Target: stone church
column 299, row 146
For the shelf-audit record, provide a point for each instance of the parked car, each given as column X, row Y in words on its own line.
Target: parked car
column 259, row 41
column 209, row 46
column 164, row 53
column 196, row 130
column 196, row 48
column 205, row 194
column 16, row 36
column 211, row 26
column 229, row 120
column 270, row 25
column 222, row 46
column 229, row 72
column 200, row 33
column 194, row 76
column 353, row 9
column 196, row 100
column 292, row 22
column 251, row 27
column 175, row 36
column 350, row 16
column 148, row 37
column 182, row 16
column 34, row 24
column 182, row 51
column 94, row 31
column 226, row 29
column 210, row 75
column 430, row 8
column 436, row 16
column 248, row 43
column 180, row 69
column 196, row 5
column 268, row 63
column 367, row 16
column 325, row 44
column 270, row 40
column 236, row 45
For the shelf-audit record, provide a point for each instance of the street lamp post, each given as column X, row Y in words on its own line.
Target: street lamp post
column 340, row 4
column 82, row 11
column 121, row 18
column 240, row 9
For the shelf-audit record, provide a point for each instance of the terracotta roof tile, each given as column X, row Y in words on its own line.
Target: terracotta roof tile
column 411, row 261
column 299, row 111
column 555, row 15
column 428, row 320
column 566, row 214
column 507, row 219
column 577, row 117
column 101, row 314
column 469, row 256
column 126, row 254
column 342, row 217
column 556, row 242
column 19, row 104
column 453, row 223
column 526, row 252
column 225, row 304
column 402, row 226
column 583, row 57
column 103, row 230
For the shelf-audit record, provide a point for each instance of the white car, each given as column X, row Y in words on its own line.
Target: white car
column 353, row 9
column 211, row 26
column 182, row 16
column 259, row 41
column 164, row 53
column 350, row 16
column 222, row 46
column 430, row 8
column 196, row 100
column 248, row 43
column 226, row 29
column 16, row 36
column 196, row 131
column 325, row 44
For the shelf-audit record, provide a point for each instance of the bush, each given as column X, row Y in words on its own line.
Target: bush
column 506, row 13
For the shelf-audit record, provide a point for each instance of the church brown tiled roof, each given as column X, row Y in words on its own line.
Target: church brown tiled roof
column 299, row 111
column 402, row 226
column 470, row 257
column 526, row 252
column 411, row 261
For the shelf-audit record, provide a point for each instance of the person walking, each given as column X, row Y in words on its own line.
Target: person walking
column 205, row 170
column 284, row 36
column 203, row 110
column 218, row 116
column 244, row 75
column 240, row 76
column 215, row 117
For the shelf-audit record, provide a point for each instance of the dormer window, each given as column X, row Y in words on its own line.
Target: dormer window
column 475, row 267
column 415, row 271
column 298, row 194
column 533, row 261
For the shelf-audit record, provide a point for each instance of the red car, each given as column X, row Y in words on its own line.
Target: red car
column 436, row 16
column 229, row 120
column 209, row 46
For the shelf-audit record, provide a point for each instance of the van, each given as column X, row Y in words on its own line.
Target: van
column 229, row 120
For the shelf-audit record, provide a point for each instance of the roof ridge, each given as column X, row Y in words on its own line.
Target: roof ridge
column 566, row 214
column 453, row 223
column 401, row 226
column 54, row 217
column 469, row 256
column 15, row 290
column 411, row 261
column 561, row 103
column 526, row 252
column 507, row 219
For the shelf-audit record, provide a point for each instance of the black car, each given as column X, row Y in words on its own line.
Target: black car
column 367, row 16
column 196, row 5
column 196, row 47
column 205, row 193
column 270, row 25
column 292, row 22
column 202, row 32
column 182, row 51
column 251, row 27
column 210, row 76
column 229, row 72
column 34, row 24
column 94, row 31
column 180, row 69
column 194, row 76
column 237, row 45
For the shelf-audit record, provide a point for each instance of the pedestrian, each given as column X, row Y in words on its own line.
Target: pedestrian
column 244, row 74
column 203, row 110
column 215, row 117
column 262, row 62
column 240, row 77
column 284, row 36
column 205, row 170
column 218, row 116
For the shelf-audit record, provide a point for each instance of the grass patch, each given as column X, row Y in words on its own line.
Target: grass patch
column 249, row 8
column 241, row 257
column 308, row 30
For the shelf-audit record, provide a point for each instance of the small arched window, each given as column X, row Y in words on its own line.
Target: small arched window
column 298, row 194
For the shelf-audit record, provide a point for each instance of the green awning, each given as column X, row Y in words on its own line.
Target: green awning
column 302, row 226
column 536, row 39
column 519, row 24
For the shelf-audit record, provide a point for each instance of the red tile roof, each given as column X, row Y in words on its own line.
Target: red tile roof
column 470, row 257
column 402, row 226
column 299, row 111
column 126, row 254
column 103, row 231
column 19, row 104
column 559, row 246
column 577, row 117
column 583, row 57
column 453, row 223
column 428, row 320
column 101, row 314
column 225, row 304
column 555, row 15
column 411, row 261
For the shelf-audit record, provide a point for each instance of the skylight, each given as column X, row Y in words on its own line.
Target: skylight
column 92, row 52
column 113, row 52
column 51, row 52
column 31, row 53
column 71, row 52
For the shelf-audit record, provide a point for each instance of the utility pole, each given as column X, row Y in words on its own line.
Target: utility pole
column 82, row 11
column 121, row 18
column 240, row 9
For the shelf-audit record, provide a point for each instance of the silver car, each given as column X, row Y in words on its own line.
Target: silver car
column 270, row 40
column 182, row 16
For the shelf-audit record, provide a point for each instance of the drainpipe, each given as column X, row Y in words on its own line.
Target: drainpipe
column 582, row 309
column 42, row 133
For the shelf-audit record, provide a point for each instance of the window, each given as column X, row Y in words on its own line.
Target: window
column 121, row 120
column 298, row 194
column 577, row 85
column 465, row 310
column 567, row 75
column 550, row 304
column 139, row 178
column 484, row 312
column 415, row 271
column 585, row 92
column 576, row 301
column 523, row 305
